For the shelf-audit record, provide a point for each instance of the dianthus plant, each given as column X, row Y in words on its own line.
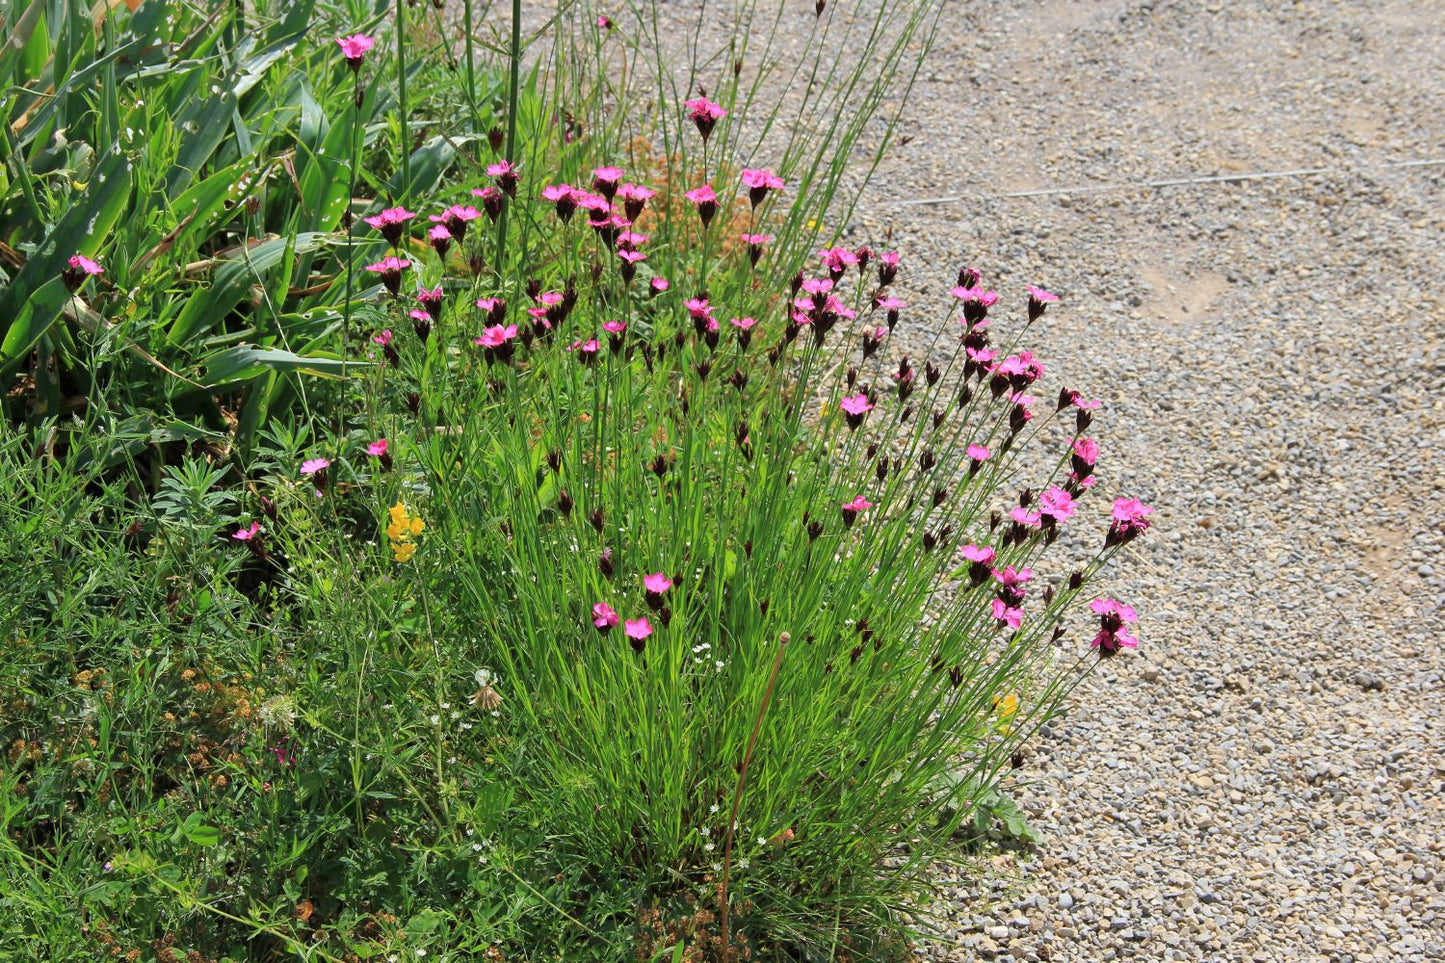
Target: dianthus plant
column 767, row 603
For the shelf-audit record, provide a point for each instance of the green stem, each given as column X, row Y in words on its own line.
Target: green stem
column 514, row 83
column 401, row 97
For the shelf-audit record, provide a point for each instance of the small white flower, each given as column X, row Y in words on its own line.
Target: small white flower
column 704, row 832
column 744, row 863
column 436, row 719
column 712, row 809
column 709, row 848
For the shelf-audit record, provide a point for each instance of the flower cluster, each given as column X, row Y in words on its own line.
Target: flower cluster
column 402, row 532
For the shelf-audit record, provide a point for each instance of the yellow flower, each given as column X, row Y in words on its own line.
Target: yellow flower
column 403, row 528
column 1006, row 706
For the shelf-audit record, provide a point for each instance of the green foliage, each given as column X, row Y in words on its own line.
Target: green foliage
column 255, row 710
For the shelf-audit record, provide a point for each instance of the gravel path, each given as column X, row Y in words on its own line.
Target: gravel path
column 1264, row 780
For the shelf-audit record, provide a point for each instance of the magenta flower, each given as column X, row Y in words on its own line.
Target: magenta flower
column 1039, row 300
column 390, row 268
column 313, row 465
column 1131, row 519
column 854, row 408
column 659, row 285
column 505, row 175
column 614, row 327
column 759, row 182
column 378, row 447
column 354, row 48
column 456, row 218
column 1086, row 450
column 77, row 269
column 887, row 268
column 604, row 617
column 706, row 200
column 496, row 336
column 982, row 554
column 496, row 309
column 634, row 198
column 383, row 339
column 1114, row 617
column 563, row 198
column 853, row 508
column 629, row 259
column 1056, row 505
column 631, row 240
column 698, row 308
column 656, row 583
column 755, row 244
column 705, row 114
column 604, row 22
column 430, row 299
column 978, row 453
column 837, row 260
column 391, row 223
column 246, row 534
column 440, row 238
column 83, row 264
column 605, row 181
column 637, row 632
column 1025, row 517
column 1012, row 578
column 742, row 323
column 1068, row 396
column 492, row 200
column 976, row 301
column 1007, row 614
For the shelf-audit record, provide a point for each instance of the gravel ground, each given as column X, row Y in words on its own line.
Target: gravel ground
column 1263, row 780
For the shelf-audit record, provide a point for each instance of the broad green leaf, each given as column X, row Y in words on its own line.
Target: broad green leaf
column 246, row 362
column 209, row 307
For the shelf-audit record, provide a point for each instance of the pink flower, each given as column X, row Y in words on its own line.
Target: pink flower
column 1039, row 300
column 492, row 200
column 631, row 256
column 854, row 408
column 1113, row 635
column 631, row 240
column 1010, row 577
column 384, row 338
column 246, row 534
column 496, row 336
column 505, row 175
column 706, row 200
column 77, row 269
column 354, row 48
column 659, row 285
column 83, row 264
column 390, row 268
column 634, row 199
column 978, row 453
column 853, row 508
column 604, row 617
column 378, row 447
column 614, row 327
column 605, row 180
column 391, row 222
column 837, row 260
column 1131, row 519
column 983, row 555
column 1086, row 450
column 976, row 301
column 440, row 238
column 698, row 308
column 887, row 268
column 604, row 22
column 759, row 183
column 1068, row 396
column 705, row 114
column 1025, row 517
column 742, row 323
column 656, row 583
column 313, row 465
column 1056, row 505
column 817, row 286
column 1008, row 614
column 637, row 631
